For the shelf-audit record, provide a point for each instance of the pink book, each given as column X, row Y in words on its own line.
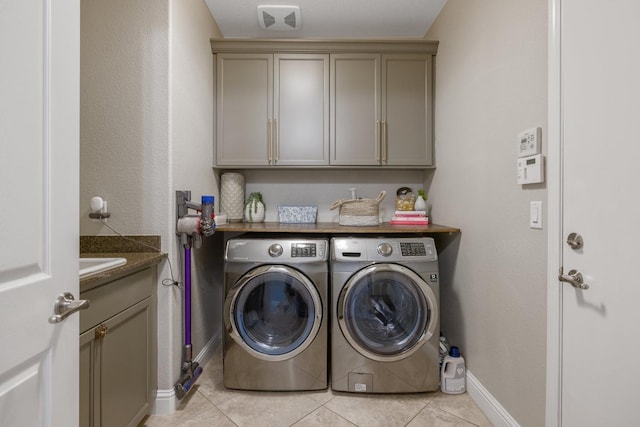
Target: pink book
column 412, row 222
column 411, row 214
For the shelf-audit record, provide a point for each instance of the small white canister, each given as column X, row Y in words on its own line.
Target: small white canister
column 453, row 374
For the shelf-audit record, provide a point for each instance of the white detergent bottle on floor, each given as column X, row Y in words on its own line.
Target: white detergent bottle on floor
column 453, row 375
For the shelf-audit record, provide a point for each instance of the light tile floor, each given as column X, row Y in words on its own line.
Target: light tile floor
column 210, row 404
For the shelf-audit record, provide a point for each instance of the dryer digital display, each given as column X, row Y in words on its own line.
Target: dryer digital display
column 303, row 250
column 413, row 249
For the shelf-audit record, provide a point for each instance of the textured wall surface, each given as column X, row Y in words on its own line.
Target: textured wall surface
column 491, row 83
column 146, row 131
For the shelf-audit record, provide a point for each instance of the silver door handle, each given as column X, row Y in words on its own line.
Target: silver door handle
column 276, row 141
column 384, row 141
column 378, row 139
column 65, row 306
column 574, row 278
column 269, row 138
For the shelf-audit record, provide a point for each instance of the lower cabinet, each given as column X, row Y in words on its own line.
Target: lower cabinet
column 117, row 360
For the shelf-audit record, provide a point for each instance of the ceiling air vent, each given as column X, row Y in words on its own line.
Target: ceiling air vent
column 279, row 17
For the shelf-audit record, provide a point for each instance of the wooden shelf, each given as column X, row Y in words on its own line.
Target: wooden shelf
column 333, row 228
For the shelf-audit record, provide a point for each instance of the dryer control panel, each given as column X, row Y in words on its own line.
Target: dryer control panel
column 305, row 249
column 276, row 250
column 381, row 249
column 413, row 249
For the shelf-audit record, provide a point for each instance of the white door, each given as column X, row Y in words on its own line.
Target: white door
column 39, row 101
column 599, row 117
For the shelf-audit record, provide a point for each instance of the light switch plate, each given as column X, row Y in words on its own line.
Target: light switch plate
column 535, row 215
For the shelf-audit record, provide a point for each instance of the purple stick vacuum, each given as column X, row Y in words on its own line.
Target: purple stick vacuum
column 190, row 370
column 188, row 233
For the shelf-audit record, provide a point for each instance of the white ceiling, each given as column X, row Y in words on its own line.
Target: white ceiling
column 331, row 19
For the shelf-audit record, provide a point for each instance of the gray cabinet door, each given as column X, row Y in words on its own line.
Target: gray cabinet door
column 406, row 110
column 381, row 109
column 272, row 110
column 244, row 109
column 124, row 369
column 355, row 109
column 301, row 110
column 117, row 354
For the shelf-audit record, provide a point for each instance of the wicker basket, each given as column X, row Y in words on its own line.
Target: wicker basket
column 359, row 212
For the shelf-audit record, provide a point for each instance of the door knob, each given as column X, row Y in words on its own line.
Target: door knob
column 65, row 306
column 574, row 278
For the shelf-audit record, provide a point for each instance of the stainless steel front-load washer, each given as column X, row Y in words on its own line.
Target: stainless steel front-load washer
column 275, row 314
column 385, row 315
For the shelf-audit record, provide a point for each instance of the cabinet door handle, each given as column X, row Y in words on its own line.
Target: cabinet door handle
column 101, row 331
column 276, row 142
column 65, row 306
column 378, row 131
column 384, row 141
column 269, row 132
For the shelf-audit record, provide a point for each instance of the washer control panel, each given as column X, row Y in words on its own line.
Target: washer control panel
column 413, row 249
column 303, row 250
column 276, row 250
column 384, row 249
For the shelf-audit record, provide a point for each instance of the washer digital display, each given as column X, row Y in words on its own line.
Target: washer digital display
column 412, row 249
column 303, row 250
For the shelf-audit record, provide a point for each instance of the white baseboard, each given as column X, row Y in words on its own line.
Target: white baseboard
column 492, row 409
column 166, row 401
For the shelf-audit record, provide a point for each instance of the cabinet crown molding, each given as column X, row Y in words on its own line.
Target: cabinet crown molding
column 324, row 46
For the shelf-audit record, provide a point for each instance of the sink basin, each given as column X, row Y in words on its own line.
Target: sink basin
column 89, row 266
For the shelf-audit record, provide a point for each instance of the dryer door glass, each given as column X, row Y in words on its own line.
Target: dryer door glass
column 385, row 311
column 276, row 311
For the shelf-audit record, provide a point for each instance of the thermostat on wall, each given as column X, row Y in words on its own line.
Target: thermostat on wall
column 528, row 143
column 531, row 169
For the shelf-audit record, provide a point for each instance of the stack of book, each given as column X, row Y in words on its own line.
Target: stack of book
column 410, row 218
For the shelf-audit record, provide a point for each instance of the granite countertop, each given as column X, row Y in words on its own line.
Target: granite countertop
column 139, row 252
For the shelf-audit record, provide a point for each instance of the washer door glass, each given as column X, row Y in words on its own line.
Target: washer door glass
column 276, row 311
column 386, row 311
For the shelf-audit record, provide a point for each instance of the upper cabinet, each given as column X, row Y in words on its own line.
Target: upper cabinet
column 324, row 104
column 407, row 110
column 272, row 109
column 381, row 109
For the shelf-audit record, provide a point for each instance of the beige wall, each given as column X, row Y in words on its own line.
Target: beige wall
column 191, row 112
column 124, row 113
column 491, row 83
column 146, row 131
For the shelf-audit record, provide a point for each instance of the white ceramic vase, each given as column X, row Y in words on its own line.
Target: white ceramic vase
column 232, row 196
column 421, row 204
column 254, row 211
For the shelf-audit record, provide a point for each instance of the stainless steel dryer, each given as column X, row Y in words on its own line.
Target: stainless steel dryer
column 385, row 315
column 275, row 314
